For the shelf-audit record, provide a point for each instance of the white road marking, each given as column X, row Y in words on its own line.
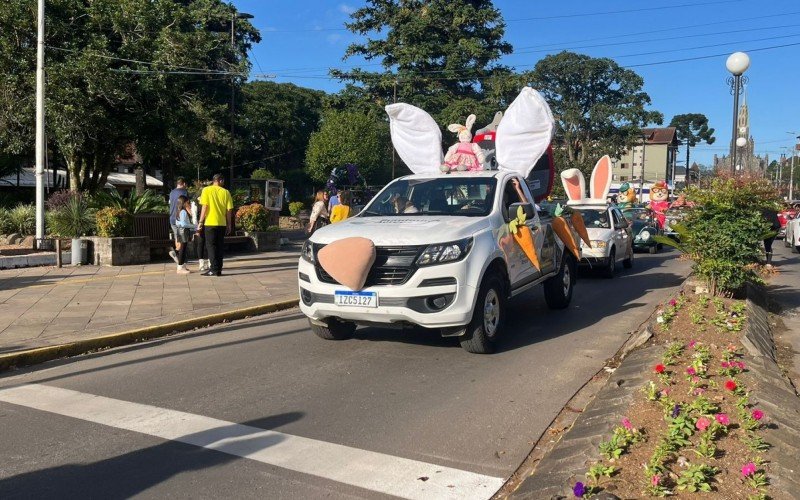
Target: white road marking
column 365, row 469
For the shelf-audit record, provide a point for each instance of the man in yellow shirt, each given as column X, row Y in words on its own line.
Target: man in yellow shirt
column 216, row 219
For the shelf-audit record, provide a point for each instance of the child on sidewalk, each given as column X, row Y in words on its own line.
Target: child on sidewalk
column 185, row 231
column 200, row 241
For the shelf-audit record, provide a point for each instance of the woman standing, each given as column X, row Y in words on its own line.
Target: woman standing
column 185, row 231
column 200, row 241
column 341, row 211
column 319, row 212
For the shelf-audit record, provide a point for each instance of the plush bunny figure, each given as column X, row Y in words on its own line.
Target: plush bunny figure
column 575, row 185
column 464, row 155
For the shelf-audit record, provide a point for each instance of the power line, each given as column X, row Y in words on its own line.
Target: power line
column 135, row 61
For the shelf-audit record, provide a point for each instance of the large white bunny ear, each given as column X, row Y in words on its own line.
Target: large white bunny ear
column 416, row 138
column 491, row 127
column 524, row 132
column 574, row 185
column 600, row 182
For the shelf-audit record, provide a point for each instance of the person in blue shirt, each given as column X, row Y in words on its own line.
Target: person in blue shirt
column 174, row 208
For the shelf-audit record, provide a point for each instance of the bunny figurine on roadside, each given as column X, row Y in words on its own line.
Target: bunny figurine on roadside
column 464, row 155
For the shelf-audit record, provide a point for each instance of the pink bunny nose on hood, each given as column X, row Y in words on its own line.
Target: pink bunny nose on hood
column 348, row 261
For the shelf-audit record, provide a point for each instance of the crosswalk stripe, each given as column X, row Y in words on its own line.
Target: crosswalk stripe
column 378, row 472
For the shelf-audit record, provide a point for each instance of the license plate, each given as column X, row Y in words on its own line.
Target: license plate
column 355, row 299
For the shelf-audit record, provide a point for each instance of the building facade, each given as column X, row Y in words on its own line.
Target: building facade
column 651, row 160
column 746, row 158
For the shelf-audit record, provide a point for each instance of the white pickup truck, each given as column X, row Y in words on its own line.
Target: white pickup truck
column 460, row 246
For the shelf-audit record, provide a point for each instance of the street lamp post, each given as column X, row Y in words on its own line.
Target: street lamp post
column 641, row 181
column 737, row 64
column 741, row 142
column 234, row 17
column 40, row 140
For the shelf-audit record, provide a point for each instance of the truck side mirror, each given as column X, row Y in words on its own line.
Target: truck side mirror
column 527, row 209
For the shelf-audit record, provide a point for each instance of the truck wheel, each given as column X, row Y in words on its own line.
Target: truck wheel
column 558, row 289
column 487, row 320
column 628, row 263
column 611, row 265
column 653, row 249
column 335, row 330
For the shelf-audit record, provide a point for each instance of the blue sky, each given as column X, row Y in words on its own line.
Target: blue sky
column 302, row 38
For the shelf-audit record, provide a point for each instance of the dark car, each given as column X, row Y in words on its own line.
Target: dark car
column 644, row 226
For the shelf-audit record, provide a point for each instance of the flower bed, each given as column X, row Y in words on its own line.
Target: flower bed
column 694, row 429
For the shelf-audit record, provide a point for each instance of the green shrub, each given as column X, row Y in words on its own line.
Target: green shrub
column 5, row 222
column 723, row 233
column 75, row 218
column 148, row 202
column 295, row 207
column 261, row 174
column 114, row 222
column 22, row 219
column 253, row 218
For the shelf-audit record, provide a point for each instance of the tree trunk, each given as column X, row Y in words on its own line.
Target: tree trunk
column 688, row 168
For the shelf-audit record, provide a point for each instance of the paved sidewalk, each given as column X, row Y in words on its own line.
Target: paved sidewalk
column 45, row 306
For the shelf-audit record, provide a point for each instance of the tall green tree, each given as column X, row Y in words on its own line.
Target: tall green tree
column 350, row 137
column 692, row 128
column 599, row 106
column 276, row 121
column 440, row 55
column 116, row 75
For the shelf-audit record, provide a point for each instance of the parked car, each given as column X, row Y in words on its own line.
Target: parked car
column 611, row 236
column 450, row 264
column 644, row 227
column 784, row 216
column 792, row 238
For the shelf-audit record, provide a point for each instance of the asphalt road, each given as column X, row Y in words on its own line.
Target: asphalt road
column 360, row 418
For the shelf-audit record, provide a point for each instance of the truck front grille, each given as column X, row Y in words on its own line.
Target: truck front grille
column 393, row 266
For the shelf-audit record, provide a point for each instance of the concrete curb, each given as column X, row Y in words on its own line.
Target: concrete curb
column 33, row 260
column 41, row 354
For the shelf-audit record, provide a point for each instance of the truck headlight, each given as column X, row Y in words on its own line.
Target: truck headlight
column 598, row 244
column 307, row 252
column 445, row 252
column 644, row 235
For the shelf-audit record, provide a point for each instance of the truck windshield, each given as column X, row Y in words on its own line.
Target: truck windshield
column 451, row 195
column 595, row 218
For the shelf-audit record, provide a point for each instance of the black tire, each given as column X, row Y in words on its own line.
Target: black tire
column 558, row 289
column 478, row 339
column 611, row 265
column 628, row 263
column 335, row 330
column 653, row 249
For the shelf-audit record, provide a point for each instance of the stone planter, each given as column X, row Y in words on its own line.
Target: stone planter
column 265, row 242
column 119, row 251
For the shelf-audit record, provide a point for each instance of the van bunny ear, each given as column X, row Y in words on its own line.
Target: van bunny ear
column 524, row 133
column 470, row 122
column 416, row 138
column 574, row 185
column 600, row 182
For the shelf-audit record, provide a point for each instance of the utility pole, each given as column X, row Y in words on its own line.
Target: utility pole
column 688, row 170
column 40, row 141
column 791, row 172
column 641, row 181
column 234, row 17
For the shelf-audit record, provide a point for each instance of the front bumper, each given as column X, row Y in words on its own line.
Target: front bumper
column 399, row 304
column 593, row 255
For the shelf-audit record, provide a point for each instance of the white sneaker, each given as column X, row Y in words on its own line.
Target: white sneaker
column 204, row 265
column 173, row 256
column 183, row 270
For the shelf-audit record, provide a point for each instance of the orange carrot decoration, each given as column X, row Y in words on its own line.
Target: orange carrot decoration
column 580, row 227
column 524, row 237
column 562, row 230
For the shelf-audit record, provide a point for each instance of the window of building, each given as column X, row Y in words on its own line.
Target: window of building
column 623, row 178
column 623, row 165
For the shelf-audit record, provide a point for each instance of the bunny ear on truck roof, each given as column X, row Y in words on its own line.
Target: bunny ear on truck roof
column 416, row 138
column 524, row 132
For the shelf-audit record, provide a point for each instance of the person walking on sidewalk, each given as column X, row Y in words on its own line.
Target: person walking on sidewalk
column 771, row 217
column 216, row 220
column 185, row 231
column 319, row 212
column 203, row 264
column 341, row 210
column 174, row 209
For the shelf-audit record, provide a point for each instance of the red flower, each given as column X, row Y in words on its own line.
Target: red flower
column 702, row 423
column 758, row 414
column 731, row 385
column 659, row 368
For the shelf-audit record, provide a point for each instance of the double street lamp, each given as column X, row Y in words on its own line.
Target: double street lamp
column 737, row 64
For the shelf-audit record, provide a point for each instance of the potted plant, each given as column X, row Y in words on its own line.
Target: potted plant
column 254, row 220
column 114, row 245
column 73, row 219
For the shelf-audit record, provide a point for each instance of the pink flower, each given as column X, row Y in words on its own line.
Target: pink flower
column 730, row 385
column 748, row 469
column 699, row 391
column 691, row 371
column 655, row 479
column 740, row 365
column 692, row 344
column 665, row 391
column 673, row 302
column 758, row 414
column 702, row 423
column 725, row 364
column 723, row 419
column 696, row 380
column 627, row 423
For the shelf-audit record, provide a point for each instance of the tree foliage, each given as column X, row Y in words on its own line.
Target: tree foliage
column 692, row 128
column 99, row 99
column 350, row 137
column 440, row 55
column 276, row 121
column 598, row 105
